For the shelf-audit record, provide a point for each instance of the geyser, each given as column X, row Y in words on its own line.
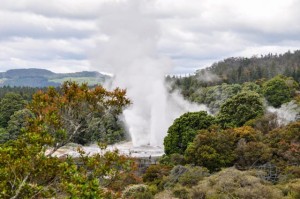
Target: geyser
column 128, row 49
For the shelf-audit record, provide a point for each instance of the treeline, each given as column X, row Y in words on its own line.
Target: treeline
column 239, row 70
column 25, row 92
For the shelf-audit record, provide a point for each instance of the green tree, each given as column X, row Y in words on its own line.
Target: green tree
column 107, row 128
column 279, row 90
column 213, row 149
column 67, row 114
column 9, row 104
column 240, row 108
column 18, row 122
column 184, row 130
column 4, row 136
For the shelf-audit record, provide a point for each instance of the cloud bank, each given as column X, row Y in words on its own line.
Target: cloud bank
column 60, row 35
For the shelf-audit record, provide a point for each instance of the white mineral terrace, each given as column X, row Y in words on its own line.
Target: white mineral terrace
column 125, row 148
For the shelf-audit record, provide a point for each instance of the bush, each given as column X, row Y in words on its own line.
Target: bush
column 172, row 160
column 193, row 175
column 155, row 173
column 140, row 191
column 184, row 130
column 185, row 175
column 232, row 183
column 285, row 143
column 213, row 149
column 181, row 192
column 291, row 189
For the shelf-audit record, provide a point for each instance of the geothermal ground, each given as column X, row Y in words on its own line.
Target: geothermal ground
column 125, row 148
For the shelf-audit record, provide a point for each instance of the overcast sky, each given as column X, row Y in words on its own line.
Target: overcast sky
column 62, row 35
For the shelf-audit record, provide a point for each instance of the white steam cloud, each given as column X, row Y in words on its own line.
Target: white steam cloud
column 129, row 51
column 287, row 113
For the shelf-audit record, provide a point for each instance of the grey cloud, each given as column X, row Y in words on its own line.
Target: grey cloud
column 193, row 33
column 13, row 24
column 79, row 9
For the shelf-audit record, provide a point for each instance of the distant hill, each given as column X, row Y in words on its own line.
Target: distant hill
column 34, row 77
column 241, row 69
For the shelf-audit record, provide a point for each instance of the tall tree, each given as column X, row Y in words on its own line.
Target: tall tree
column 9, row 104
column 184, row 130
column 66, row 114
column 240, row 108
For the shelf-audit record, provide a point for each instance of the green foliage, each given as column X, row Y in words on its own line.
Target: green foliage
column 212, row 149
column 9, row 104
column 232, row 183
column 27, row 171
column 251, row 153
column 27, row 167
column 241, row 69
column 18, row 122
column 155, row 173
column 4, row 136
column 285, row 143
column 215, row 96
column 264, row 123
column 279, row 90
column 251, row 86
column 138, row 192
column 181, row 192
column 193, row 175
column 184, row 129
column 172, row 160
column 106, row 128
column 68, row 113
column 240, row 108
column 25, row 92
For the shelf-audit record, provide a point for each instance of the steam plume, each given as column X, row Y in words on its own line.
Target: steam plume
column 287, row 113
column 129, row 51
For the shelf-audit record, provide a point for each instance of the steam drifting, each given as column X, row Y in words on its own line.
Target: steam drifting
column 287, row 113
column 128, row 49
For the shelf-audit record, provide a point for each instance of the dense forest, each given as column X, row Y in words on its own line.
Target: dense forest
column 240, row 70
column 241, row 148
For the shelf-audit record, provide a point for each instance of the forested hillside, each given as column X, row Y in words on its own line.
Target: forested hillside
column 239, row 70
column 34, row 77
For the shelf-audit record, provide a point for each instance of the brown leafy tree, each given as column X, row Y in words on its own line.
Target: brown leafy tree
column 26, row 171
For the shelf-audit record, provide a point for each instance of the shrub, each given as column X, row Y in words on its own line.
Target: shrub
column 181, row 192
column 193, row 175
column 232, row 183
column 213, row 149
column 155, row 173
column 140, row 191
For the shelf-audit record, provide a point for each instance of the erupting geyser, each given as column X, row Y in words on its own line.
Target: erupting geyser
column 128, row 49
